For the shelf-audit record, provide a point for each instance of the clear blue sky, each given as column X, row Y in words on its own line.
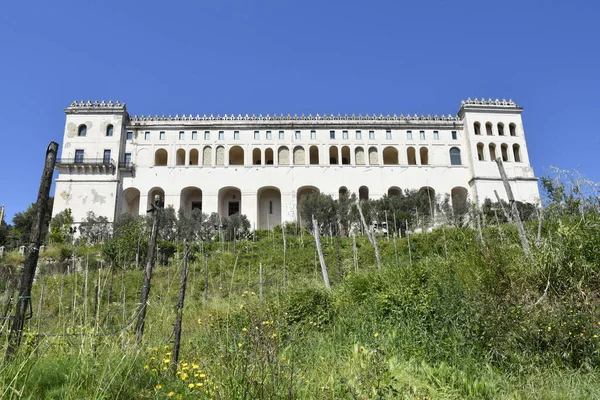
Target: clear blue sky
column 297, row 57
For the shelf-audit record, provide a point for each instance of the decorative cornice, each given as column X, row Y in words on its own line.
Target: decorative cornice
column 489, row 102
column 96, row 107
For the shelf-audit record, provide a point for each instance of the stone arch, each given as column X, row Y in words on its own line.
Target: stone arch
column 459, row 196
column 269, row 207
column 314, row 155
column 430, row 192
column 190, row 198
column 492, row 152
column 220, row 155
column 345, row 155
column 373, row 156
column 424, row 155
column 333, row 155
column 180, row 157
column 269, row 156
column 480, row 152
column 283, row 155
column 236, row 155
column 363, row 193
column 411, row 154
column 230, row 201
column 359, row 156
column 256, row 156
column 131, row 201
column 153, row 192
column 299, row 157
column 342, row 190
column 207, row 155
column 194, row 156
column 517, row 152
column 489, row 128
column 390, row 156
column 302, row 192
column 504, row 152
column 143, row 157
column 161, row 158
column 394, row 191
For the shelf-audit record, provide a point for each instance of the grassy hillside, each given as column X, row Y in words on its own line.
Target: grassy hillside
column 464, row 319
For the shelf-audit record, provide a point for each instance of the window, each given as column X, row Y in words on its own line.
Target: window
column 129, row 135
column 270, row 207
column 409, row 135
column 455, row 156
column 127, row 159
column 196, row 205
column 477, row 127
column 234, row 208
column 422, row 135
column 236, row 135
column 500, row 129
column 106, row 158
column 221, row 135
column 331, row 134
column 109, row 130
column 388, row 135
column 436, row 135
column 512, row 128
column 206, row 135
column 358, row 135
column 146, row 135
column 345, row 135
column 488, row 128
column 281, row 135
column 181, row 135
column 194, row 135
column 372, row 135
column 297, row 135
column 269, row 135
column 516, row 152
column 161, row 135
column 454, row 135
column 313, row 135
column 256, row 135
column 82, row 131
column 79, row 156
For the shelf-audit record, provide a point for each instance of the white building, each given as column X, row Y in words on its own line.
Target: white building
column 113, row 163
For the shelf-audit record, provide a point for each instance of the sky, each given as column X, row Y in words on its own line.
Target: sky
column 221, row 56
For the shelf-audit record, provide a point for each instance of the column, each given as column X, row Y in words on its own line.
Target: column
column 250, row 207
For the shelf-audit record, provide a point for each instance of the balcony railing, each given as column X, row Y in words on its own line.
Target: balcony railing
column 126, row 166
column 84, row 161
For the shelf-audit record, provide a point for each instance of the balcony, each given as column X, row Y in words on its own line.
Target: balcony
column 126, row 166
column 86, row 165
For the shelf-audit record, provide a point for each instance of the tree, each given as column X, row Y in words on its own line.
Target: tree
column 95, row 229
column 238, row 227
column 322, row 206
column 22, row 221
column 191, row 225
column 129, row 242
column 60, row 225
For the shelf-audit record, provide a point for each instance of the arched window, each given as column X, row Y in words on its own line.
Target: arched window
column 363, row 193
column 411, row 155
column 236, row 155
column 207, row 155
column 180, row 157
column 333, row 155
column 424, row 153
column 269, row 156
column 220, row 155
column 373, row 157
column 283, row 156
column 359, row 156
column 517, row 152
column 161, row 158
column 513, row 129
column 394, row 191
column 477, row 127
column 299, row 158
column 455, row 156
column 82, row 131
column 500, row 129
column 194, row 157
column 480, row 152
column 256, row 157
column 345, row 155
column 390, row 156
column 492, row 152
column 109, row 130
column 488, row 128
column 504, row 151
column 314, row 155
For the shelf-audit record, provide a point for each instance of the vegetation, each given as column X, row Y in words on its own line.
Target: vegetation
column 450, row 316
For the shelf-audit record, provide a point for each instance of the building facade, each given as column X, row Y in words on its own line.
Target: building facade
column 113, row 163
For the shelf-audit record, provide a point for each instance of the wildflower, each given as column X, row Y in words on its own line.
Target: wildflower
column 164, row 368
column 166, row 347
column 155, row 348
column 254, row 294
column 241, row 306
column 168, row 353
column 376, row 334
column 195, row 366
column 146, row 366
column 199, row 321
column 274, row 336
column 166, row 360
column 203, row 376
column 244, row 330
column 549, row 328
column 239, row 345
column 158, row 387
column 595, row 336
column 191, row 386
column 283, row 358
column 184, row 376
column 171, row 394
column 199, row 384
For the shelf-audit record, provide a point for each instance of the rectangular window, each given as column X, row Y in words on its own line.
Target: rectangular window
column 127, row 159
column 162, row 135
column 436, row 135
column 181, row 135
column 270, row 207
column 422, row 135
column 236, row 135
column 109, row 130
column 372, row 135
column 269, row 135
column 234, row 207
column 129, row 135
column 194, row 135
column 281, row 135
column 298, row 135
column 313, row 135
column 345, row 135
column 106, row 158
column 454, row 136
column 206, row 135
column 146, row 135
column 256, row 135
column 331, row 134
column 79, row 156
column 388, row 135
column 358, row 135
column 196, row 205
column 408, row 135
column 221, row 135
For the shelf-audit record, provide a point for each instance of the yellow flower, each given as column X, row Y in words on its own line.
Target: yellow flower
column 376, row 334
column 158, row 387
column 199, row 321
column 168, row 353
column 549, row 328
column 171, row 394
column 283, row 358
column 146, row 367
column 184, row 376
column 166, row 347
column 244, row 329
column 274, row 336
column 241, row 306
column 199, row 384
column 202, row 376
column 595, row 336
column 195, row 366
column 191, row 385
column 239, row 345
column 165, row 368
column 166, row 360
column 155, row 348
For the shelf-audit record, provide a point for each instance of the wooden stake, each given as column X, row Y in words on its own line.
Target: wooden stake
column 180, row 303
column 408, row 239
column 317, row 235
column 206, row 277
column 513, row 206
column 260, row 281
column 354, row 252
column 506, row 214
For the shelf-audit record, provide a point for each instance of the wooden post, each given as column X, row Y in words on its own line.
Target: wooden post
column 506, row 214
column 408, row 239
column 206, row 277
column 337, row 254
column 513, row 206
column 40, row 305
column 387, row 227
column 364, row 222
column 317, row 235
column 284, row 254
column 30, row 264
column 371, row 236
column 260, row 281
column 151, row 259
column 354, row 252
column 180, row 303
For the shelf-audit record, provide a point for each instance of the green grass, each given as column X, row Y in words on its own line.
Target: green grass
column 460, row 322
